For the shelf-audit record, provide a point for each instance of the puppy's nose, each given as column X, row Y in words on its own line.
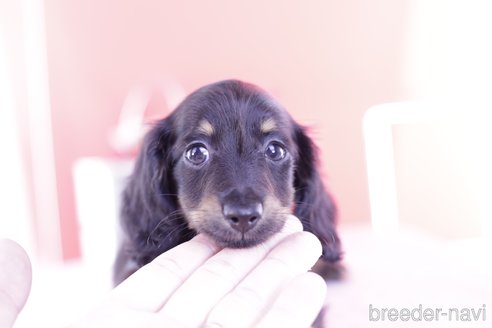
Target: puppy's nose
column 243, row 218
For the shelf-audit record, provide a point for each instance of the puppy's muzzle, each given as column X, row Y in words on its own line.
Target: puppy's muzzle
column 242, row 210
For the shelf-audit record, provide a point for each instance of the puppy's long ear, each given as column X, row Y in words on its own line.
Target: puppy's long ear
column 150, row 216
column 314, row 206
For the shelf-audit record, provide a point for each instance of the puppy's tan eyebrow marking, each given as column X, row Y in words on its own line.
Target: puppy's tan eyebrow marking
column 205, row 127
column 268, row 125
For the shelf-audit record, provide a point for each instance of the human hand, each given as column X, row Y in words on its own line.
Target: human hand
column 198, row 284
column 15, row 281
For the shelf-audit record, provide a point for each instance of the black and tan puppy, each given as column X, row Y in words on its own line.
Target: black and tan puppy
column 230, row 163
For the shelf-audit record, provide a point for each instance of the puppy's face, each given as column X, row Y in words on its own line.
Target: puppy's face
column 233, row 164
column 225, row 163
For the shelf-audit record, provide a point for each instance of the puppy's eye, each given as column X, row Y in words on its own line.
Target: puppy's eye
column 197, row 154
column 275, row 151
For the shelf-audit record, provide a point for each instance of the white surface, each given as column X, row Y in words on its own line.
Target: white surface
column 98, row 185
column 61, row 293
column 41, row 142
column 13, row 186
column 402, row 271
column 406, row 270
column 378, row 124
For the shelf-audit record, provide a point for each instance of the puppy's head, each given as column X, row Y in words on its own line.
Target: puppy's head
column 233, row 163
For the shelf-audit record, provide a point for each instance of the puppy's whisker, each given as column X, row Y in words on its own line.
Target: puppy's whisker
column 165, row 235
column 304, row 203
column 189, row 234
column 164, row 194
column 173, row 216
column 178, row 230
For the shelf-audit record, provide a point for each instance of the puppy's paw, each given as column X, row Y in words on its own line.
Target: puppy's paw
column 330, row 271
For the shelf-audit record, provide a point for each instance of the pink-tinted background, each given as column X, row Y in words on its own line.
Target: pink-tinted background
column 67, row 68
column 326, row 61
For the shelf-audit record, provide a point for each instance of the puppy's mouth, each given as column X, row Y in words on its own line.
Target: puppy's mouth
column 231, row 238
column 237, row 230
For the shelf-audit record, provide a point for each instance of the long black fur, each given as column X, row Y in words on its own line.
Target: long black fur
column 152, row 218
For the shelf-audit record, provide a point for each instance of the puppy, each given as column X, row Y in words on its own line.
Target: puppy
column 230, row 163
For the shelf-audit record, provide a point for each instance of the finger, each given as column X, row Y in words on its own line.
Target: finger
column 150, row 287
column 112, row 315
column 208, row 284
column 241, row 308
column 15, row 281
column 298, row 304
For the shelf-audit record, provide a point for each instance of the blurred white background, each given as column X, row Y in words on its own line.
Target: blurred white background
column 78, row 79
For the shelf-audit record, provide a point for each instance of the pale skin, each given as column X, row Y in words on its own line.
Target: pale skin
column 198, row 284
column 15, row 281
